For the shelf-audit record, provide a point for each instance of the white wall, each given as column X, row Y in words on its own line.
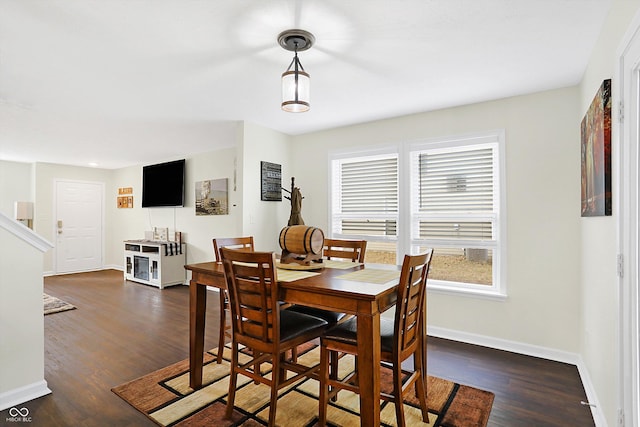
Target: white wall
column 197, row 231
column 598, row 251
column 248, row 215
column 15, row 185
column 21, row 319
column 123, row 224
column 264, row 219
column 543, row 198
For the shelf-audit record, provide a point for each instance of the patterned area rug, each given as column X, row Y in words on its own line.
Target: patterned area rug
column 55, row 305
column 166, row 398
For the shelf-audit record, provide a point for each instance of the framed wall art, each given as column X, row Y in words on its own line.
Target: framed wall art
column 212, row 197
column 125, row 202
column 595, row 133
column 125, row 197
column 270, row 181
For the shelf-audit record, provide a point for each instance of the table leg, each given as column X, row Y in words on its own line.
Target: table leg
column 369, row 368
column 197, row 310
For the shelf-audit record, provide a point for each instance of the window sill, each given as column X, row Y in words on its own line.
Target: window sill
column 490, row 294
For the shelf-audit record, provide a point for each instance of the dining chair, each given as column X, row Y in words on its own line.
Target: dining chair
column 258, row 322
column 239, row 243
column 345, row 249
column 353, row 250
column 400, row 338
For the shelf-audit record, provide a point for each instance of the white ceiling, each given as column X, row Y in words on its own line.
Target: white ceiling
column 124, row 82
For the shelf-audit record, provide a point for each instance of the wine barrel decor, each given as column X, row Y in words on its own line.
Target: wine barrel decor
column 301, row 244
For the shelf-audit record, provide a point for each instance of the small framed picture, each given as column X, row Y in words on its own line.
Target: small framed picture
column 270, row 182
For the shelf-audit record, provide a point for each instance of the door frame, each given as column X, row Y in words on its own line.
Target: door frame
column 627, row 226
column 54, row 232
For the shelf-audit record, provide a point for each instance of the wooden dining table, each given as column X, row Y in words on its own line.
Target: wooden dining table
column 326, row 290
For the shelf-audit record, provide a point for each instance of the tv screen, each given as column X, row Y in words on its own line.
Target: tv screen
column 163, row 184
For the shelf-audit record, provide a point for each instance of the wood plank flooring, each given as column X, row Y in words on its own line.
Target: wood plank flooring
column 123, row 330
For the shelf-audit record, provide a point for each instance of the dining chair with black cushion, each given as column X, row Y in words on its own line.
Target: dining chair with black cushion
column 400, row 338
column 353, row 250
column 239, row 243
column 258, row 322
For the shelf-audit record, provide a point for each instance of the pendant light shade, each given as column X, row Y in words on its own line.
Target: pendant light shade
column 295, row 80
column 295, row 89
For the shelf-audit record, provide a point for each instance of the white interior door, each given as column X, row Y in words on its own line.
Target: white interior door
column 628, row 229
column 78, row 226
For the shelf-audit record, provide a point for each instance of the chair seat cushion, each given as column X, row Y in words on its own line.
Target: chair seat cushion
column 293, row 324
column 331, row 317
column 347, row 333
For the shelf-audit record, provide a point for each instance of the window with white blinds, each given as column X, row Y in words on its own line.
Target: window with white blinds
column 443, row 194
column 455, row 198
column 366, row 201
column 455, row 193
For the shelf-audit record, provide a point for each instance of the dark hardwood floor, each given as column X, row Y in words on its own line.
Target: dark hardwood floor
column 123, row 330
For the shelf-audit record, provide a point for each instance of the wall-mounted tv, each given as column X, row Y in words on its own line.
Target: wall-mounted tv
column 163, row 184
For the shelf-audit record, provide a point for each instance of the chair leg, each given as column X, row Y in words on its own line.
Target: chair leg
column 256, row 366
column 223, row 321
column 421, row 384
column 324, row 386
column 333, row 371
column 397, row 393
column 233, row 380
column 283, row 370
column 276, row 373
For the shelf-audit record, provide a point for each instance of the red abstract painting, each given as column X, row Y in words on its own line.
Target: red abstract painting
column 596, row 154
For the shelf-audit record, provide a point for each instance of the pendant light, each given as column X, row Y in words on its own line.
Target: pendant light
column 295, row 80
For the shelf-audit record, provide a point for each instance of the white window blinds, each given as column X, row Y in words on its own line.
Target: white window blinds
column 455, row 192
column 456, row 181
column 366, row 202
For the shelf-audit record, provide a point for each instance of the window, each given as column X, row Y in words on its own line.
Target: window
column 365, row 205
column 456, row 209
column 444, row 193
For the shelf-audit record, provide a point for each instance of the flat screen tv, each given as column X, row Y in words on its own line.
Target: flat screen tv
column 163, row 184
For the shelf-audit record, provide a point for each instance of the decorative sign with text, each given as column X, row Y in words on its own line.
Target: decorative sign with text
column 270, row 181
column 125, row 197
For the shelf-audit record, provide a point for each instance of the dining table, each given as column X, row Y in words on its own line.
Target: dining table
column 364, row 290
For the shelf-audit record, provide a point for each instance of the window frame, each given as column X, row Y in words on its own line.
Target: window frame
column 407, row 209
column 353, row 154
column 496, row 140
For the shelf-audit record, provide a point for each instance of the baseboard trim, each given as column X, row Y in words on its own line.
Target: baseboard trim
column 105, row 267
column 592, row 397
column 530, row 350
column 506, row 345
column 20, row 395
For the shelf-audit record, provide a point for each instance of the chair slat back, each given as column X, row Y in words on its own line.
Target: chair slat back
column 239, row 243
column 253, row 297
column 410, row 304
column 353, row 250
